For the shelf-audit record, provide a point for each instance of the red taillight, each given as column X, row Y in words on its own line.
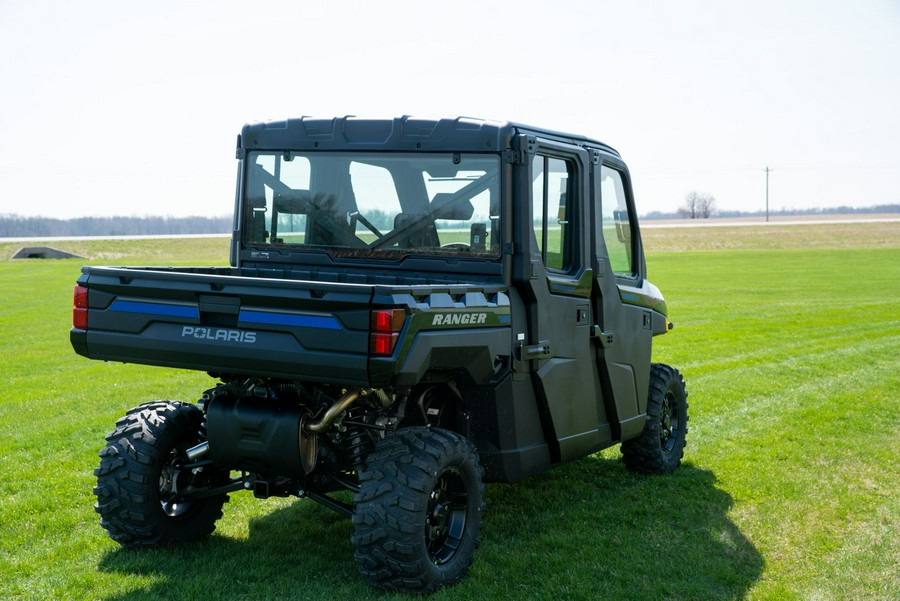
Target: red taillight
column 386, row 326
column 383, row 344
column 80, row 312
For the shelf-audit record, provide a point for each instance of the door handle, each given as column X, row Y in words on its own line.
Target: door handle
column 541, row 350
column 606, row 338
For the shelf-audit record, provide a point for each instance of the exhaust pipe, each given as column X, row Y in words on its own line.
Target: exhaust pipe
column 309, row 444
column 288, row 445
column 195, row 453
column 335, row 410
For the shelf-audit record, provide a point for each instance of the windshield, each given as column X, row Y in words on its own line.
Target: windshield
column 374, row 204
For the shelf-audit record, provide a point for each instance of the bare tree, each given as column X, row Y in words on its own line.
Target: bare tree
column 707, row 206
column 698, row 206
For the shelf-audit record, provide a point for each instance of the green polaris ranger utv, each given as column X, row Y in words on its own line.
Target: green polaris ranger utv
column 413, row 307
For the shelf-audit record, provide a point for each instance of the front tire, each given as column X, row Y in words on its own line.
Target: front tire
column 139, row 478
column 418, row 510
column 660, row 446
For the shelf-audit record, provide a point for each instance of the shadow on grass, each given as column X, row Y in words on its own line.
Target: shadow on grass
column 586, row 530
column 592, row 530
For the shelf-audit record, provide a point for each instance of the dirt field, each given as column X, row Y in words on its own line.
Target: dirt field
column 661, row 236
column 773, row 219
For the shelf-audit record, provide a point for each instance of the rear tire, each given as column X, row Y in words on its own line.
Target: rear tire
column 139, row 477
column 418, row 510
column 660, row 446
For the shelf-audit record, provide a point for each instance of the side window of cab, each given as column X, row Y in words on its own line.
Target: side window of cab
column 617, row 222
column 552, row 184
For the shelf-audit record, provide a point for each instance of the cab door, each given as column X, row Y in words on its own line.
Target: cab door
column 624, row 327
column 557, row 348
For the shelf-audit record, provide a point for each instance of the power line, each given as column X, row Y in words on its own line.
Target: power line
column 767, row 170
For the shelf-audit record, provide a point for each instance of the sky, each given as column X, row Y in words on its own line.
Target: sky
column 127, row 108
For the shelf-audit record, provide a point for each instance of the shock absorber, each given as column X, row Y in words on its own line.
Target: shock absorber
column 203, row 431
column 357, row 439
column 198, row 451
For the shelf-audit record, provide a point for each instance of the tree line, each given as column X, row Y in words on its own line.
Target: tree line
column 17, row 226
column 696, row 206
column 701, row 206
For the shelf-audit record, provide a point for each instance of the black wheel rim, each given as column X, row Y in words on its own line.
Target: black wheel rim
column 169, row 487
column 668, row 422
column 445, row 520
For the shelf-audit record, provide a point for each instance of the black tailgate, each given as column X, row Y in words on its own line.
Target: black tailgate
column 197, row 318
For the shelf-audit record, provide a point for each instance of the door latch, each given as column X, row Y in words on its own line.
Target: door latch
column 606, row 338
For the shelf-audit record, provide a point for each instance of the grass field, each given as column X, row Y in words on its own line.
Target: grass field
column 788, row 337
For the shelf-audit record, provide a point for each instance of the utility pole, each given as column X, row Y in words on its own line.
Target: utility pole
column 767, row 170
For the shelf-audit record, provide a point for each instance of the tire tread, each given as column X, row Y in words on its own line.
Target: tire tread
column 396, row 481
column 644, row 454
column 128, row 506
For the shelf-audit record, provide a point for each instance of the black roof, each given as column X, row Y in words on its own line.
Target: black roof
column 462, row 134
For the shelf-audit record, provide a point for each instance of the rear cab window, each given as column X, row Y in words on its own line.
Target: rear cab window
column 374, row 205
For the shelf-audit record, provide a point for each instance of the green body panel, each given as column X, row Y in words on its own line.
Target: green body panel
column 647, row 296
